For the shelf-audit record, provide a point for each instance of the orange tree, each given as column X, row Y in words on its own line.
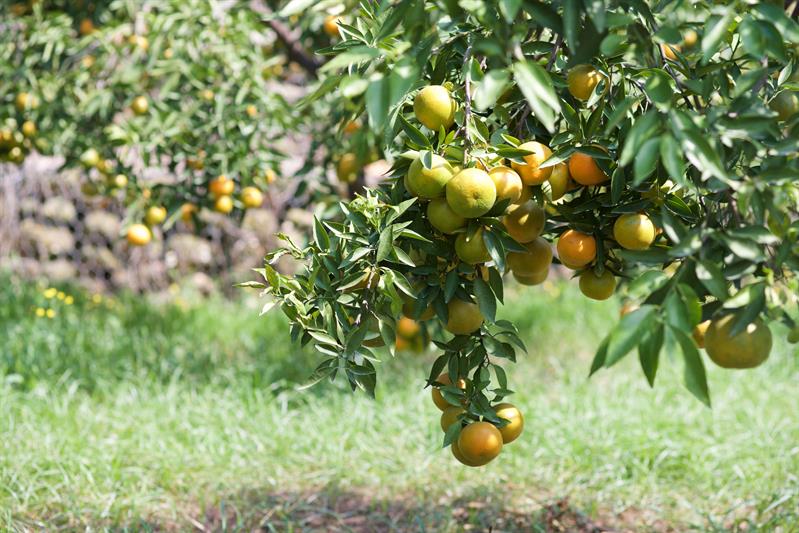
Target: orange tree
column 119, row 87
column 653, row 145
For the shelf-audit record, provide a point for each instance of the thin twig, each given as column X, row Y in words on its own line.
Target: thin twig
column 296, row 51
column 554, row 54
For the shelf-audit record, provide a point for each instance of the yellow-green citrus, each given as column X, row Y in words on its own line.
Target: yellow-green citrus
column 443, row 218
column 480, row 442
column 525, row 222
column 464, row 317
column 507, row 182
column 530, row 172
column 472, row 250
column 747, row 349
column 536, row 259
column 429, row 183
column 597, row 287
column 471, row 193
column 434, row 107
column 634, row 231
column 511, row 431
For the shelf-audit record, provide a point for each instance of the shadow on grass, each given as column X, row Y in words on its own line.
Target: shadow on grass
column 335, row 510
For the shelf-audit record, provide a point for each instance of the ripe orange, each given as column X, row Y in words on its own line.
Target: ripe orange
column 221, row 186
column 690, row 38
column 471, row 193
column 187, row 210
column 450, row 416
column 510, row 412
column 464, row 317
column 442, row 217
column 480, row 442
column 140, row 105
column 576, row 249
column 472, row 250
column 529, row 171
column 155, row 215
column 429, row 183
column 28, row 129
column 86, row 27
column 507, row 182
column 408, row 327
column 330, row 25
column 597, row 287
column 25, row 101
column 460, row 457
column 434, row 107
column 584, row 170
column 525, row 222
column 251, row 111
column 347, row 168
column 438, row 398
column 525, row 196
column 223, row 204
column 582, row 80
column 747, row 349
column 699, row 332
column 139, row 235
column 634, row 231
column 251, row 197
column 537, row 258
column 90, row 158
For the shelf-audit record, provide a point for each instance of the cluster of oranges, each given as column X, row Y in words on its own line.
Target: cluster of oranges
column 17, row 135
column 478, row 442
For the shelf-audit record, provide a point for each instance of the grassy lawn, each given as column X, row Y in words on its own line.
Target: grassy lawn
column 125, row 413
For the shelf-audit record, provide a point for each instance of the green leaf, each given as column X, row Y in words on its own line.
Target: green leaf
column 659, row 87
column 490, row 88
column 695, row 377
column 536, row 86
column 628, row 332
column 643, row 128
column 485, row 299
column 751, row 311
column 571, row 20
column 649, row 352
column 414, row 134
column 711, row 277
column 320, row 235
column 646, row 160
column 385, row 244
column 715, row 31
column 672, row 158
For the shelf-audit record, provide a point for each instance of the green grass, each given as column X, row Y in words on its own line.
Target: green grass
column 145, row 415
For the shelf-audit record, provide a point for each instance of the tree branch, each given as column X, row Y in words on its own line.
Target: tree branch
column 296, row 51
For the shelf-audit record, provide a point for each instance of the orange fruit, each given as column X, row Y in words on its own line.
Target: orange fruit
column 459, row 456
column 442, row 217
column 330, row 25
column 223, row 204
column 28, row 129
column 221, row 186
column 634, row 231
column 536, row 260
column 472, row 250
column 139, row 235
column 408, row 327
column 690, row 38
column 597, row 287
column 434, row 107
column 351, row 127
column 584, row 170
column 429, row 183
column 576, row 249
column 86, row 27
column 529, row 171
column 155, row 215
column 471, row 193
column 560, row 181
column 438, row 398
column 524, row 222
column 670, row 51
column 536, row 278
column 480, row 442
column 347, row 168
column 140, row 105
column 582, row 80
column 464, row 317
column 450, row 415
column 251, row 197
column 786, row 104
column 511, row 431
column 699, row 332
column 187, row 210
column 747, row 349
column 507, row 182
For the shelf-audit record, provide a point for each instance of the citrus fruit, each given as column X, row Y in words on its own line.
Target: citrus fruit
column 537, row 258
column 576, row 249
column 434, row 107
column 536, row 278
column 459, row 456
column 450, row 416
column 347, row 168
column 582, row 80
column 507, row 182
column 747, row 349
column 464, row 317
column 251, row 197
column 140, row 105
column 584, row 170
column 442, row 217
column 511, row 431
column 155, row 215
column 634, row 231
column 525, row 222
column 793, row 335
column 559, row 181
column 330, row 25
column 120, row 181
column 670, row 51
column 408, row 327
column 472, row 250
column 429, row 183
column 690, row 39
column 525, row 196
column 223, row 204
column 786, row 104
column 351, row 127
column 597, row 287
column 187, row 210
column 28, row 129
column 139, row 235
column 480, row 442
column 471, row 193
column 221, row 186
column 438, row 398
column 86, row 27
column 25, row 101
column 699, row 332
column 529, row 171
column 90, row 158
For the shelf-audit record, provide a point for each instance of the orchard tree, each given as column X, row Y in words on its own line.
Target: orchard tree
column 654, row 145
column 117, row 87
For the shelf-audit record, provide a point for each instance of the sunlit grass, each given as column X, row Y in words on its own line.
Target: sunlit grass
column 152, row 412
